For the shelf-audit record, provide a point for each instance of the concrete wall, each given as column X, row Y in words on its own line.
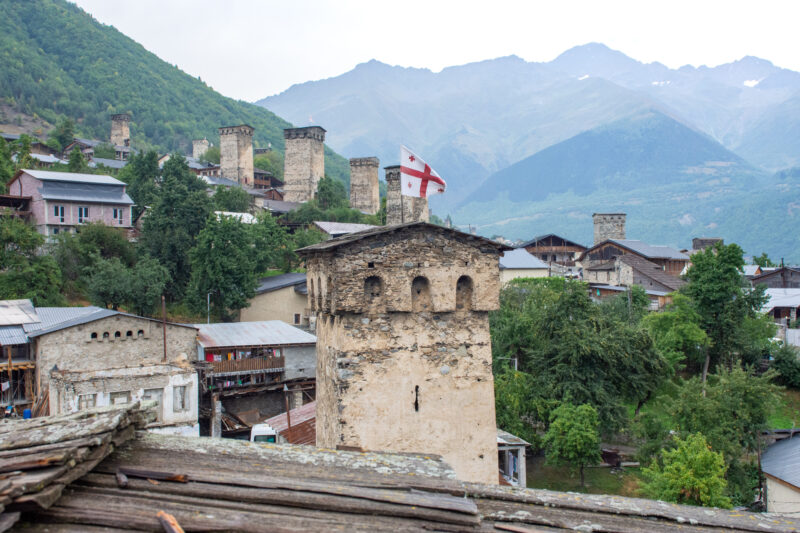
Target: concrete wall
column 300, row 362
column 781, row 497
column 507, row 274
column 403, row 368
column 236, row 154
column 73, row 349
column 364, row 192
column 281, row 304
column 608, row 226
column 303, row 163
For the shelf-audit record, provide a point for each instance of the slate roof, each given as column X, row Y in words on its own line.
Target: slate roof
column 110, row 163
column 652, row 271
column 504, row 437
column 214, row 180
column 88, row 142
column 650, row 251
column 332, row 244
column 241, row 334
column 335, row 229
column 279, row 206
column 273, row 283
column 90, row 469
column 520, row 258
column 542, row 237
column 782, row 461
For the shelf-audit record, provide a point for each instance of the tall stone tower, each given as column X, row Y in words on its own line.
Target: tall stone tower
column 402, row 209
column 303, row 163
column 404, row 357
column 120, row 129
column 236, row 154
column 200, row 147
column 608, row 226
column 364, row 192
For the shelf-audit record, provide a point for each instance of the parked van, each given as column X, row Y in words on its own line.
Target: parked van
column 263, row 433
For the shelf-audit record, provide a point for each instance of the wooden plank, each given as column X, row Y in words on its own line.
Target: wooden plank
column 36, row 460
column 38, row 500
column 67, row 444
column 7, row 521
column 36, row 480
column 343, row 502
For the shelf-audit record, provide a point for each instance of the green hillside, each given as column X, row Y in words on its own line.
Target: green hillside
column 57, row 61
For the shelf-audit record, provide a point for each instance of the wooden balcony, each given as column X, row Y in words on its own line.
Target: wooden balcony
column 248, row 366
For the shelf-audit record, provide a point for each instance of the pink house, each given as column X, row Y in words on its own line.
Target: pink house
column 60, row 201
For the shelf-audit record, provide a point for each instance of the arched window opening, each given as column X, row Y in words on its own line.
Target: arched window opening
column 94, row 335
column 421, row 294
column 129, row 334
column 373, row 289
column 105, row 335
column 140, row 333
column 117, row 334
column 464, row 293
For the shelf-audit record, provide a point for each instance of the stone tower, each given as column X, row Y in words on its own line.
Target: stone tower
column 404, row 357
column 303, row 163
column 236, row 154
column 608, row 226
column 364, row 192
column 200, row 147
column 120, row 130
column 402, row 209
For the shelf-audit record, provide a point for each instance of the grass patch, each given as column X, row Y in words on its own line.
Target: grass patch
column 787, row 413
column 598, row 480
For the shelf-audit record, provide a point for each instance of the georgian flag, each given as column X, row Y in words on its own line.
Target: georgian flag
column 417, row 178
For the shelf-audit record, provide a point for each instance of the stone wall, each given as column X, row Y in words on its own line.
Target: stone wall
column 402, row 209
column 199, row 148
column 608, row 226
column 404, row 351
column 303, row 163
column 236, row 154
column 364, row 191
column 120, row 130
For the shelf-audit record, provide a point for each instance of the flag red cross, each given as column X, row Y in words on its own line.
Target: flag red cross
column 425, row 175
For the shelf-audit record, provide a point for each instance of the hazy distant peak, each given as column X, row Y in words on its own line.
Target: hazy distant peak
column 594, row 59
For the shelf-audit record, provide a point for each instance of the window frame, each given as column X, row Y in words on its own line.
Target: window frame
column 182, row 392
column 82, row 404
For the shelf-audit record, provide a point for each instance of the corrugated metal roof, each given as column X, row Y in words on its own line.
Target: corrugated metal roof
column 521, row 258
column 265, row 333
column 110, row 163
column 622, row 288
column 335, row 229
column 781, row 298
column 85, row 192
column 304, row 422
column 82, row 319
column 52, row 316
column 76, row 318
column 72, row 177
column 650, row 251
column 16, row 312
column 46, row 158
column 782, row 460
column 506, row 438
column 11, row 335
column 280, row 281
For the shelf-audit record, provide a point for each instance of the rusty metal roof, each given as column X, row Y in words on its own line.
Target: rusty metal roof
column 304, row 424
column 240, row 334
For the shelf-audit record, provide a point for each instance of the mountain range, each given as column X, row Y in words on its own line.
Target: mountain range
column 530, row 148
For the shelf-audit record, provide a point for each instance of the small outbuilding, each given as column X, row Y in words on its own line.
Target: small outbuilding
column 780, row 464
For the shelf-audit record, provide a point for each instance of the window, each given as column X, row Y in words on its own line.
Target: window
column 297, row 318
column 105, row 334
column 420, row 294
column 86, row 401
column 155, row 395
column 83, row 215
column 464, row 293
column 55, row 231
column 129, row 334
column 118, row 398
column 118, row 215
column 94, row 335
column 140, row 333
column 58, row 213
column 373, row 287
column 117, row 334
column 180, row 398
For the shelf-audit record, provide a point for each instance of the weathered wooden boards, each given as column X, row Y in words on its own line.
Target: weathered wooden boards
column 40, row 456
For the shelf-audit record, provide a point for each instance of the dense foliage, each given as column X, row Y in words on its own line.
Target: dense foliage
column 25, row 274
column 573, row 438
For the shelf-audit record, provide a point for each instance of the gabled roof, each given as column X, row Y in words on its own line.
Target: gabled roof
column 652, row 271
column 543, row 237
column 273, row 283
column 304, row 421
column 781, row 298
column 381, row 230
column 648, row 251
column 97, row 313
column 85, row 192
column 751, row 270
column 110, row 163
column 774, row 271
column 782, row 461
column 70, row 177
column 242, row 334
column 520, row 258
column 335, row 229
column 86, row 142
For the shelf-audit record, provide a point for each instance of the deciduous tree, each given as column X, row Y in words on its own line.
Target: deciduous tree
column 572, row 438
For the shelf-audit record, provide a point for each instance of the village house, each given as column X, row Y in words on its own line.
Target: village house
column 783, row 305
column 337, row 229
column 245, row 367
column 553, row 248
column 404, row 352
column 631, row 269
column 282, row 297
column 61, row 201
column 519, row 263
column 780, row 464
column 670, row 260
column 784, row 277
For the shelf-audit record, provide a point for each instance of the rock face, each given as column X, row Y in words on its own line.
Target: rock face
column 403, row 346
column 303, row 163
column 364, row 193
column 402, row 209
column 236, row 154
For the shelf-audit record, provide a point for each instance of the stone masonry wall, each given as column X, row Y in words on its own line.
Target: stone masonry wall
column 199, row 147
column 402, row 366
column 236, row 154
column 608, row 226
column 120, row 130
column 304, row 162
column 402, row 209
column 364, row 192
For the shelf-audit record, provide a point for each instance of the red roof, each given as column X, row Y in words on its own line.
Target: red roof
column 304, row 421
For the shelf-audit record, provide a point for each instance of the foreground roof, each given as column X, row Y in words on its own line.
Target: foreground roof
column 242, row 334
column 520, row 258
column 332, row 244
column 273, row 283
column 108, row 477
column 782, row 461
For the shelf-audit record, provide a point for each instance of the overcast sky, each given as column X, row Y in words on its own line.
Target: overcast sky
column 250, row 49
